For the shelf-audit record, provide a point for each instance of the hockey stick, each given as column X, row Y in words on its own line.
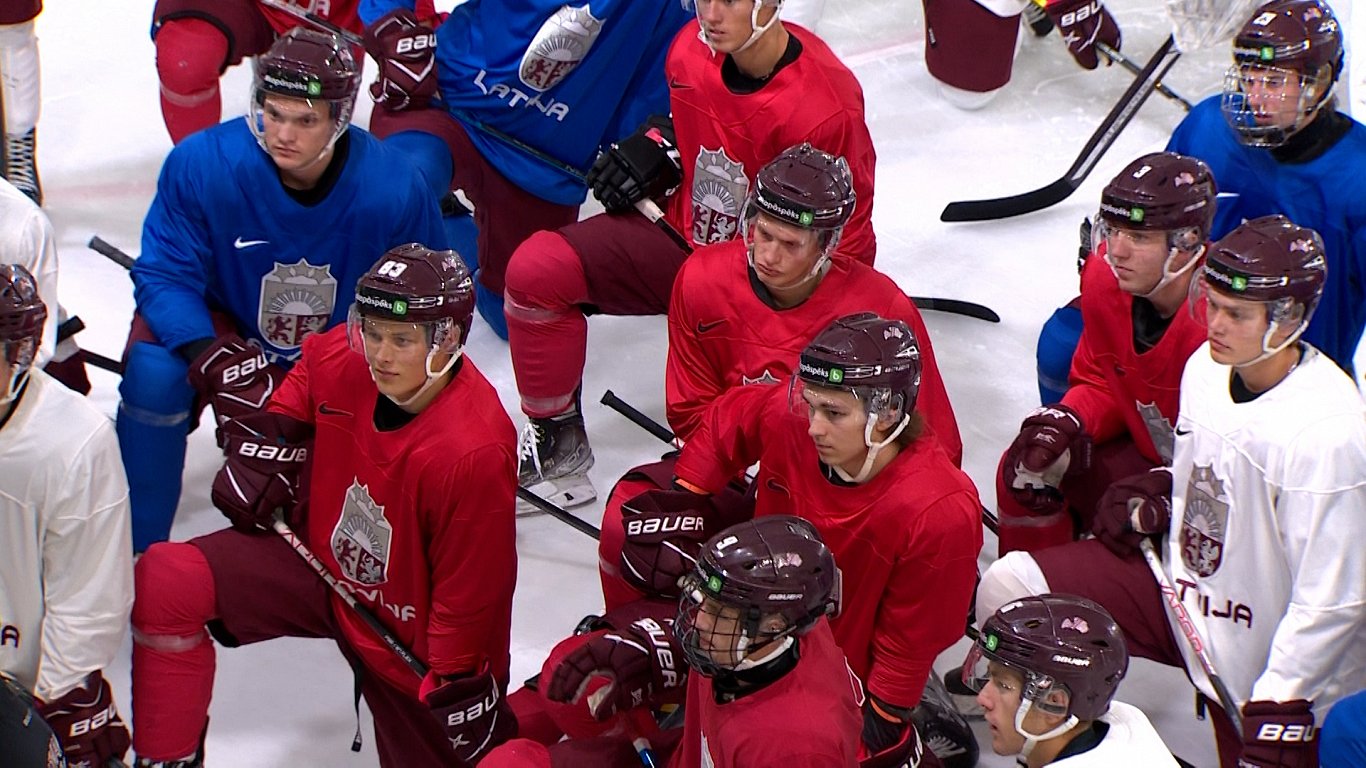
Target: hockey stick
column 610, row 399
column 302, row 550
column 464, row 117
column 111, row 252
column 75, row 325
column 587, row 529
column 1120, row 114
column 1124, row 60
column 1183, row 620
column 651, row 211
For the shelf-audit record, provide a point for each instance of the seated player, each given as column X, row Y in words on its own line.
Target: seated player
column 742, row 311
column 748, row 640
column 1278, row 146
column 1115, row 420
column 66, row 569
column 257, row 228
column 842, row 446
column 1267, row 485
column 409, row 507
column 745, row 88
column 1046, row 670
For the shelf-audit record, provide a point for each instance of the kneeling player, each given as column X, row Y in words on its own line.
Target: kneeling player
column 410, row 507
column 1046, row 670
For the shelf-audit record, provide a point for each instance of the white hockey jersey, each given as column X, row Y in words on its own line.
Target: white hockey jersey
column 1267, row 547
column 66, row 552
column 26, row 238
column 1131, row 742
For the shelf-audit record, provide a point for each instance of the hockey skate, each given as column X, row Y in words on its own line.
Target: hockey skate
column 553, row 461
column 21, row 165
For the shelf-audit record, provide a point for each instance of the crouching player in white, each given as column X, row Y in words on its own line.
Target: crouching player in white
column 1046, row 670
column 1260, row 522
column 66, row 564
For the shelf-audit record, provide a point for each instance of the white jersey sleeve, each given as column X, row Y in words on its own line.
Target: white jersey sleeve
column 26, row 238
column 1268, row 516
column 1130, row 742
column 66, row 562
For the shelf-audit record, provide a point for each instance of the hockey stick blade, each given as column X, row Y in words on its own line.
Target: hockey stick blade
column 1120, row 114
column 957, row 307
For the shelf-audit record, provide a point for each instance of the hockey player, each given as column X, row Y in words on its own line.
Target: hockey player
column 1115, row 419
column 1046, row 670
column 197, row 40
column 20, row 94
column 257, row 228
column 509, row 101
column 1278, row 145
column 843, row 447
column 66, row 569
column 410, row 507
column 742, row 311
column 1260, row 530
column 749, row 640
column 743, row 88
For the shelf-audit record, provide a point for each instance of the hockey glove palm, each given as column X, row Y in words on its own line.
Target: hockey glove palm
column 644, row 164
column 665, row 531
column 266, row 456
column 639, row 656
column 1052, row 444
column 1083, row 23
column 87, row 724
column 405, row 50
column 1278, row 735
column 472, row 710
column 1133, row 508
column 234, row 377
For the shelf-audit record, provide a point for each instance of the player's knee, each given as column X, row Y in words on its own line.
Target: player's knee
column 964, row 99
column 430, row 154
column 1057, row 343
column 155, row 386
column 174, row 597
column 544, row 274
column 191, row 54
column 1013, row 576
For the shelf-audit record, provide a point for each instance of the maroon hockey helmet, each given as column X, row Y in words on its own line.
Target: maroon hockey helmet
column 415, row 284
column 864, row 353
column 1269, row 259
column 22, row 314
column 757, row 572
column 1162, row 191
column 1060, row 644
column 310, row 65
column 806, row 188
column 1302, row 35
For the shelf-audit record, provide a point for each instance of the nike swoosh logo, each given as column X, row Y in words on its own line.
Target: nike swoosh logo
column 704, row 327
column 674, row 84
column 327, row 410
column 239, row 243
column 1183, row 433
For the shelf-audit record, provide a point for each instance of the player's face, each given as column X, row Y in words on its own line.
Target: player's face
column 718, row 632
column 836, row 422
column 1000, row 698
column 297, row 131
column 728, row 23
column 783, row 253
column 1137, row 256
column 397, row 354
column 1273, row 94
column 1237, row 328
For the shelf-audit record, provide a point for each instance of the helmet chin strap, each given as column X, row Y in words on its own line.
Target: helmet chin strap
column 1167, row 275
column 1269, row 351
column 1032, row 740
column 756, row 30
column 432, row 376
column 749, row 663
column 873, row 448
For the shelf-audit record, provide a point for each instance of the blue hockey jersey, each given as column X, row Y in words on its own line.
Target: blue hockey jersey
column 223, row 234
column 564, row 78
column 1327, row 194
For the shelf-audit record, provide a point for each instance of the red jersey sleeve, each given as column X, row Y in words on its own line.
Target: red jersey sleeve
column 729, row 437
column 292, row 397
column 472, row 555
column 691, row 381
column 933, row 399
column 1089, row 393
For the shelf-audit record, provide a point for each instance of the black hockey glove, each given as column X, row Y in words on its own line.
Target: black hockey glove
column 644, row 164
column 1134, row 508
column 890, row 740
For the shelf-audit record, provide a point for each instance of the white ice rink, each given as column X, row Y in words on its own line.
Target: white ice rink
column 288, row 703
